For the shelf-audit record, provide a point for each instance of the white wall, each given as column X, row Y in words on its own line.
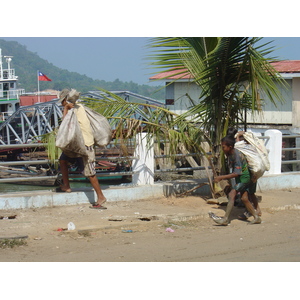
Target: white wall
column 143, row 166
column 282, row 114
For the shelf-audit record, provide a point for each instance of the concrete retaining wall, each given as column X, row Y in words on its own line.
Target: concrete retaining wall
column 49, row 198
column 79, row 196
column 279, row 181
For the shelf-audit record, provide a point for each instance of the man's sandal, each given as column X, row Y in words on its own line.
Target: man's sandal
column 98, row 206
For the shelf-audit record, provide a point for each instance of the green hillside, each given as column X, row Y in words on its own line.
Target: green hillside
column 26, row 64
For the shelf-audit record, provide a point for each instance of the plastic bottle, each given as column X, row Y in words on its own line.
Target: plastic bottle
column 71, row 226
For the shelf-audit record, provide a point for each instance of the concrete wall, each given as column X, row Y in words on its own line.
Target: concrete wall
column 287, row 112
column 296, row 105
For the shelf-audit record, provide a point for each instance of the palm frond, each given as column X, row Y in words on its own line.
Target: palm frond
column 234, row 74
column 53, row 152
column 129, row 118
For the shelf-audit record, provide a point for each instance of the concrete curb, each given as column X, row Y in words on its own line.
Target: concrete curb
column 48, row 198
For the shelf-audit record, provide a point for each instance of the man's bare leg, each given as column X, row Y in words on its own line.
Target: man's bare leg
column 225, row 220
column 254, row 200
column 251, row 210
column 95, row 184
column 65, row 187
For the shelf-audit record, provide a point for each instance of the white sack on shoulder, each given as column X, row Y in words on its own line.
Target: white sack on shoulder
column 260, row 147
column 256, row 165
column 102, row 131
column 255, row 153
column 69, row 137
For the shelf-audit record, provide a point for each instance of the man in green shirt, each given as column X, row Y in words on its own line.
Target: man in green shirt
column 239, row 171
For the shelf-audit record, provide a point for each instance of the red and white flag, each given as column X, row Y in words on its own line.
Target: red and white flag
column 43, row 77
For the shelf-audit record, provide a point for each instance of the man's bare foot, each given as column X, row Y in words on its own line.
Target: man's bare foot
column 221, row 221
column 218, row 220
column 65, row 189
column 256, row 220
column 100, row 202
column 246, row 215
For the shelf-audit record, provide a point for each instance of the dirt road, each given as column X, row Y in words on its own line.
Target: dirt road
column 102, row 235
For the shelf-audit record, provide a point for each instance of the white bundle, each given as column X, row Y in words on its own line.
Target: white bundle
column 255, row 153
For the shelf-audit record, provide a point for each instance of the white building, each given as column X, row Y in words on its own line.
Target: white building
column 285, row 117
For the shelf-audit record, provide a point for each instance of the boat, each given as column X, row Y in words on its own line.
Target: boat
column 37, row 176
column 28, row 175
column 105, row 171
column 9, row 93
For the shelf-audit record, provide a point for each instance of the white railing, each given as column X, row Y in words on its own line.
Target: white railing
column 9, row 74
column 11, row 94
column 143, row 168
column 290, row 153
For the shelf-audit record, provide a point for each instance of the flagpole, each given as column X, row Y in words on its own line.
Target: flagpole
column 38, row 86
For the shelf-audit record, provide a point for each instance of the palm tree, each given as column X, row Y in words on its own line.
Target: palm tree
column 233, row 73
column 129, row 118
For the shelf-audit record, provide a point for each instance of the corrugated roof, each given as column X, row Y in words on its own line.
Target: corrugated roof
column 285, row 66
column 170, row 75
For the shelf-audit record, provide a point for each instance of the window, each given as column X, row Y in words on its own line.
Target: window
column 169, row 93
column 169, row 101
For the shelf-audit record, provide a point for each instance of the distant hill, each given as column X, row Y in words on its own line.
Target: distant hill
column 26, row 64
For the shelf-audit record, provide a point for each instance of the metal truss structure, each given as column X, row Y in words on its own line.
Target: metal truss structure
column 29, row 123
column 127, row 95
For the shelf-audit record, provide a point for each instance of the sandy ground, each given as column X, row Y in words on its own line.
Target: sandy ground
column 102, row 235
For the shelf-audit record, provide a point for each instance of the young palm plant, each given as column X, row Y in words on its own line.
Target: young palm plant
column 129, row 118
column 232, row 72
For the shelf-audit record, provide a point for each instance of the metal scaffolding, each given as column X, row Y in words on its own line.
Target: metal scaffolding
column 28, row 123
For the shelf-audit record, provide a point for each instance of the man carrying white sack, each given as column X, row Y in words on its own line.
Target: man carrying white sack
column 76, row 139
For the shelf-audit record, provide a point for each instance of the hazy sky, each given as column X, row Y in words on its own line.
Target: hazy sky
column 106, row 40
column 106, row 58
column 111, row 58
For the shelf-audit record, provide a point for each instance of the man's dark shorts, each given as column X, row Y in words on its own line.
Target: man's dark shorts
column 71, row 160
column 249, row 187
column 86, row 163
